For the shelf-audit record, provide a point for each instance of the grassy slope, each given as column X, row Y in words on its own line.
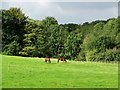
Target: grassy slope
column 34, row 72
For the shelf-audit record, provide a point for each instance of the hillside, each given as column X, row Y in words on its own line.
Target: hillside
column 24, row 72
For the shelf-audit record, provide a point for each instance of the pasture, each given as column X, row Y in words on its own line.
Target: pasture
column 25, row 72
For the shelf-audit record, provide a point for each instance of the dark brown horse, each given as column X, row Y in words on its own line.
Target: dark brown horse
column 62, row 59
column 47, row 59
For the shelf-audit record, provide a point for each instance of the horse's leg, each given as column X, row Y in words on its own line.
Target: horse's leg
column 49, row 61
column 65, row 61
column 58, row 61
column 45, row 60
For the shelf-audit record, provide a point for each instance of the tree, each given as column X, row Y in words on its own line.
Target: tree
column 44, row 42
column 71, row 27
column 34, row 29
column 0, row 31
column 90, row 41
column 13, row 24
column 72, row 45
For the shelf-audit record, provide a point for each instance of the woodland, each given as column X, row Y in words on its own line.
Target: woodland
column 91, row 41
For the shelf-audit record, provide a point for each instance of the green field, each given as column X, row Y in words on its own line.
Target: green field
column 24, row 72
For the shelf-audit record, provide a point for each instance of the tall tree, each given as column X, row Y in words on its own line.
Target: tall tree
column 32, row 30
column 72, row 45
column 44, row 41
column 13, row 24
column 0, row 31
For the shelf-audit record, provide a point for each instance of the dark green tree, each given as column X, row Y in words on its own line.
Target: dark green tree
column 33, row 29
column 45, row 39
column 13, row 24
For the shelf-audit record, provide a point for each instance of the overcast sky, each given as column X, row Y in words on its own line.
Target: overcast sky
column 67, row 12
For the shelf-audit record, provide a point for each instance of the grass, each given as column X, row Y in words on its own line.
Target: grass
column 24, row 72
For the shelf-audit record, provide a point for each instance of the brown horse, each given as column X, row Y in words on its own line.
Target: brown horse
column 47, row 59
column 62, row 59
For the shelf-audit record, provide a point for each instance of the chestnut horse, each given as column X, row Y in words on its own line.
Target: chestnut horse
column 62, row 59
column 47, row 59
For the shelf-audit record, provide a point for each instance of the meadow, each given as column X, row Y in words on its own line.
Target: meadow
column 26, row 72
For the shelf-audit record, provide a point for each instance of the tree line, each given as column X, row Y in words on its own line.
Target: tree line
column 90, row 41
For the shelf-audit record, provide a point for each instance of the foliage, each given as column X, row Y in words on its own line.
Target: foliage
column 110, row 55
column 33, row 29
column 72, row 45
column 11, row 49
column 0, row 31
column 90, row 41
column 13, row 24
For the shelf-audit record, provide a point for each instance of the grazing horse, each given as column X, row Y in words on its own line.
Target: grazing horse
column 62, row 59
column 47, row 59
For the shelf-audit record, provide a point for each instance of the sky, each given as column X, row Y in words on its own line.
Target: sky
column 67, row 12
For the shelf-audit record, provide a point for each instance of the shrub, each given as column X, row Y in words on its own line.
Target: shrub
column 109, row 55
column 100, row 57
column 90, row 55
column 11, row 49
column 112, row 55
column 80, row 56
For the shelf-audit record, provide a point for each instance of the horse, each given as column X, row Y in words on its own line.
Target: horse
column 62, row 59
column 47, row 59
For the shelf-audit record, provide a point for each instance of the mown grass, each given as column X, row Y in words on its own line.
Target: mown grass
column 23, row 72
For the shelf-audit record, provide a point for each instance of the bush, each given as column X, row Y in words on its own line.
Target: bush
column 109, row 55
column 81, row 56
column 11, row 49
column 112, row 55
column 100, row 57
column 90, row 55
